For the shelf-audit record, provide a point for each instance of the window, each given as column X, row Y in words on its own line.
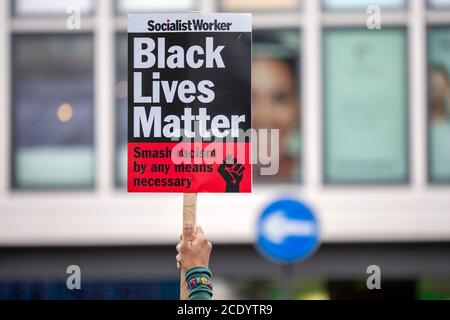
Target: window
column 50, row 7
column 365, row 106
column 52, row 111
column 439, row 4
column 439, row 104
column 342, row 5
column 121, row 89
column 276, row 100
column 261, row 5
column 127, row 6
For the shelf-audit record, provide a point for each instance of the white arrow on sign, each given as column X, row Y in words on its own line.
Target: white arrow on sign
column 277, row 227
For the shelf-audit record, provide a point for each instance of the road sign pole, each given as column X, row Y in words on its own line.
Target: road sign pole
column 286, row 278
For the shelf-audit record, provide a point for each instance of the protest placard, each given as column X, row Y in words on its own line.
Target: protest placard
column 189, row 103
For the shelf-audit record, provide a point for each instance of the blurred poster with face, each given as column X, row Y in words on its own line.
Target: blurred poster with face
column 276, row 101
column 365, row 103
column 439, row 104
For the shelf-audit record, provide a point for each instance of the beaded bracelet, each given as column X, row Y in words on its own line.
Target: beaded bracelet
column 199, row 281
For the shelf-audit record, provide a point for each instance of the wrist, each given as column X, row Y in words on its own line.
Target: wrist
column 196, row 271
column 194, row 264
column 199, row 283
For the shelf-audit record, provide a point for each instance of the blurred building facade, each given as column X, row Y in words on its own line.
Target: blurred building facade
column 360, row 91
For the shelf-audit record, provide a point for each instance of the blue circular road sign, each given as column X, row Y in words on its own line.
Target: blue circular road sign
column 287, row 231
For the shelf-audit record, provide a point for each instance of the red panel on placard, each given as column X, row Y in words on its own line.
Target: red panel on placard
column 189, row 167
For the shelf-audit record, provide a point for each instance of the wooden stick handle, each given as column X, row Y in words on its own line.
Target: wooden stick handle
column 189, row 215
